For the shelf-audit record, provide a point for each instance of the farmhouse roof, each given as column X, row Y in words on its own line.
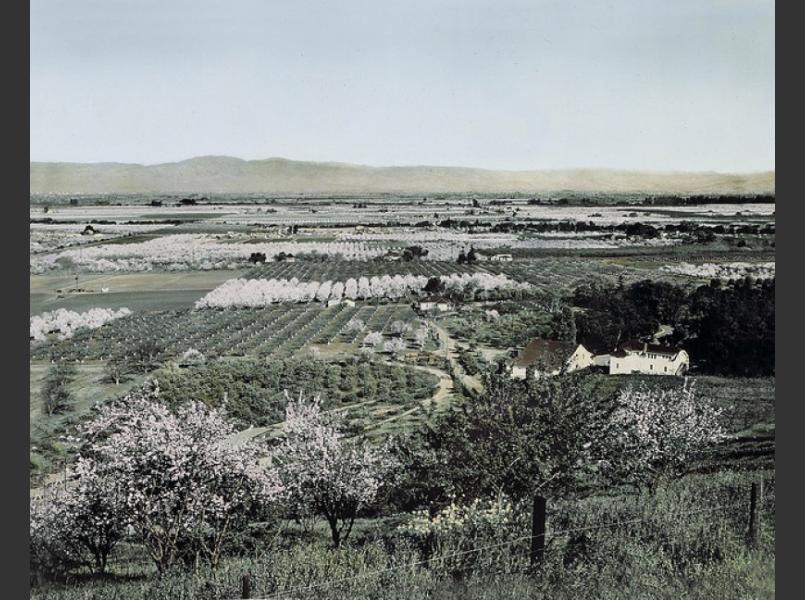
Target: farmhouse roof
column 637, row 346
column 552, row 354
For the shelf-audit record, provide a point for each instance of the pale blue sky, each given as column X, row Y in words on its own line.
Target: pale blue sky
column 638, row 84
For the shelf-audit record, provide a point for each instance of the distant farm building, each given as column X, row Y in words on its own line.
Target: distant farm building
column 434, row 306
column 649, row 359
column 501, row 258
column 89, row 230
column 551, row 357
column 344, row 301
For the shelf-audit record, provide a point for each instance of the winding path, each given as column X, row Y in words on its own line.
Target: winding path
column 449, row 347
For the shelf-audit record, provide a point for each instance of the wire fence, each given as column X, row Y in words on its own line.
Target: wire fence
column 527, row 538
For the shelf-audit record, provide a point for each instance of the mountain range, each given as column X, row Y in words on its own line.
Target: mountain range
column 224, row 174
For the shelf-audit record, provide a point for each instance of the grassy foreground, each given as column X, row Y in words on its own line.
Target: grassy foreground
column 686, row 540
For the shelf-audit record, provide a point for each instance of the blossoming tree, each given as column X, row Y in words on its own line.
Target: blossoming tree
column 79, row 525
column 655, row 433
column 325, row 472
column 184, row 486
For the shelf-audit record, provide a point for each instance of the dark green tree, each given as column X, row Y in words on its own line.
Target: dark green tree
column 56, row 396
column 518, row 438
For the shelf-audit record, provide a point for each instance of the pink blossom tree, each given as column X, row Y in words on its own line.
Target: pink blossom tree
column 324, row 472
column 184, row 485
column 75, row 526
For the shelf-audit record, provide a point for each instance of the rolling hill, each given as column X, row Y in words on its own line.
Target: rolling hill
column 222, row 174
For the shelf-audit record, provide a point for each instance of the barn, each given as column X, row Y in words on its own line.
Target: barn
column 550, row 357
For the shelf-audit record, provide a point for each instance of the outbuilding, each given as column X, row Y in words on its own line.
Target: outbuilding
column 551, row 357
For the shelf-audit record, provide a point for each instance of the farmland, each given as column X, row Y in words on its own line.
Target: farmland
column 404, row 316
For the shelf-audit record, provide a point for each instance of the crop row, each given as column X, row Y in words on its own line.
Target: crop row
column 339, row 270
column 275, row 331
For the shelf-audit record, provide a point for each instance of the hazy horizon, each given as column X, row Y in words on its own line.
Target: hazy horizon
column 513, row 85
column 405, row 166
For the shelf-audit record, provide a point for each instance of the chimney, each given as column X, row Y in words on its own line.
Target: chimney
column 645, row 347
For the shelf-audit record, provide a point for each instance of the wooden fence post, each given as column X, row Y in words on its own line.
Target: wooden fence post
column 751, row 534
column 246, row 587
column 538, row 532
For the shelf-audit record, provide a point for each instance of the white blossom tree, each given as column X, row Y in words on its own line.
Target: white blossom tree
column 364, row 288
column 394, row 346
column 421, row 336
column 372, row 339
column 655, row 433
column 252, row 293
column 64, row 323
column 351, row 289
column 191, row 356
column 399, row 327
column 354, row 325
column 323, row 471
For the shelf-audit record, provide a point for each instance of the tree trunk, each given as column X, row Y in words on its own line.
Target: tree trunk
column 336, row 534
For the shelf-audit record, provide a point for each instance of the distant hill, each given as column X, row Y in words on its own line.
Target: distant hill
column 223, row 174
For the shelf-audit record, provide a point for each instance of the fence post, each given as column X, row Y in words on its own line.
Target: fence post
column 246, row 586
column 751, row 535
column 538, row 532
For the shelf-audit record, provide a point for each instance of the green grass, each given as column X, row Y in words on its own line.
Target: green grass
column 138, row 291
column 687, row 540
column 47, row 450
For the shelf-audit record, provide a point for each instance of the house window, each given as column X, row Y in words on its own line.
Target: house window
column 665, row 369
column 651, row 367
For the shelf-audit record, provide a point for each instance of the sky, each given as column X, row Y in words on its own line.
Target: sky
column 504, row 84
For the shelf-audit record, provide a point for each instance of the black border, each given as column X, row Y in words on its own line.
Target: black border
column 789, row 410
column 16, row 53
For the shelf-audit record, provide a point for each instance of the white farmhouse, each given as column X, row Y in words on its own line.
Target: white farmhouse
column 501, row 258
column 649, row 359
column 551, row 357
column 430, row 305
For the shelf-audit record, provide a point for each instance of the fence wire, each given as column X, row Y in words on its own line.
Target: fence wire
column 548, row 535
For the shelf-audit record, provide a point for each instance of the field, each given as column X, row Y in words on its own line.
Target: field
column 394, row 365
column 138, row 291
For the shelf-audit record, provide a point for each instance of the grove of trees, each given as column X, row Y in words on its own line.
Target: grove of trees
column 263, row 292
column 727, row 328
column 173, row 478
column 255, row 389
